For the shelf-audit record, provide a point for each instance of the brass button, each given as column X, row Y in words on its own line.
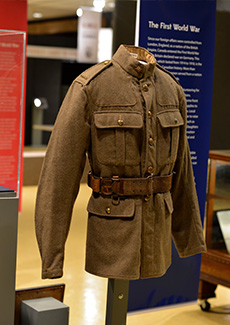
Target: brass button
column 150, row 114
column 147, row 198
column 108, row 210
column 175, row 120
column 151, row 141
column 145, row 87
column 139, row 69
column 106, row 62
column 150, row 169
column 120, row 122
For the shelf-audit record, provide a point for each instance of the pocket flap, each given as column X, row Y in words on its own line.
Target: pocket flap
column 170, row 118
column 104, row 207
column 118, row 120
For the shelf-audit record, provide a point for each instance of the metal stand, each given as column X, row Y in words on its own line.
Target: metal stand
column 8, row 245
column 117, row 302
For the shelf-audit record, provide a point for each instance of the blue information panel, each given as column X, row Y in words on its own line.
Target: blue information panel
column 181, row 35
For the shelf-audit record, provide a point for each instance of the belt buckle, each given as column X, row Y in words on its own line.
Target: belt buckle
column 106, row 186
column 110, row 186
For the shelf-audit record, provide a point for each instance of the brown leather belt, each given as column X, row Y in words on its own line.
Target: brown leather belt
column 130, row 186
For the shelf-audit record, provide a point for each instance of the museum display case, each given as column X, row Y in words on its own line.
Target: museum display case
column 215, row 265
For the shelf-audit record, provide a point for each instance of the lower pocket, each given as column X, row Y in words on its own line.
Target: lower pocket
column 106, row 207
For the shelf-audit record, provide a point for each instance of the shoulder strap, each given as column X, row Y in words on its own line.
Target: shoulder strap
column 169, row 73
column 85, row 77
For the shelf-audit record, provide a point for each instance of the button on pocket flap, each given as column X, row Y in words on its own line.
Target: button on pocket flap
column 170, row 118
column 104, row 207
column 118, row 120
column 168, row 201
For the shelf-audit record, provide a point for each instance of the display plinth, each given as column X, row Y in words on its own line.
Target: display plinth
column 8, row 247
column 44, row 311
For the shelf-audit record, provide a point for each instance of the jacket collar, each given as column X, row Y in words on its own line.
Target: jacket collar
column 128, row 56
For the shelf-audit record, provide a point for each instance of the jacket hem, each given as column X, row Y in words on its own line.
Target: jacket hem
column 156, row 275
column 125, row 277
column 53, row 274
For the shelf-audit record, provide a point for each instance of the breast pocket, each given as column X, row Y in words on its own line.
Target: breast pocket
column 168, row 132
column 118, row 137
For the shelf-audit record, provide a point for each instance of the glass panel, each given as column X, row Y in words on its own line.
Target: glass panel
column 222, row 180
column 219, row 227
column 12, row 57
column 221, row 209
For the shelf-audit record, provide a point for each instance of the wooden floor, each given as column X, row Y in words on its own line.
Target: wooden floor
column 86, row 294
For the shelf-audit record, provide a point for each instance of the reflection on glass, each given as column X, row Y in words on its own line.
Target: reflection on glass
column 222, row 180
column 220, row 238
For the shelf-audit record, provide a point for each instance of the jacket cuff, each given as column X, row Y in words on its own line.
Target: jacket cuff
column 52, row 274
column 194, row 251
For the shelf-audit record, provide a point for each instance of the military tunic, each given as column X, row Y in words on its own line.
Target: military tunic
column 130, row 119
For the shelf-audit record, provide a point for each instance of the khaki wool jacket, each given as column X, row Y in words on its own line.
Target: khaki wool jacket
column 129, row 238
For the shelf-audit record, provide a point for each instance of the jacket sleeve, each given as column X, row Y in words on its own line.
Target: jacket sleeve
column 187, row 229
column 60, row 179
